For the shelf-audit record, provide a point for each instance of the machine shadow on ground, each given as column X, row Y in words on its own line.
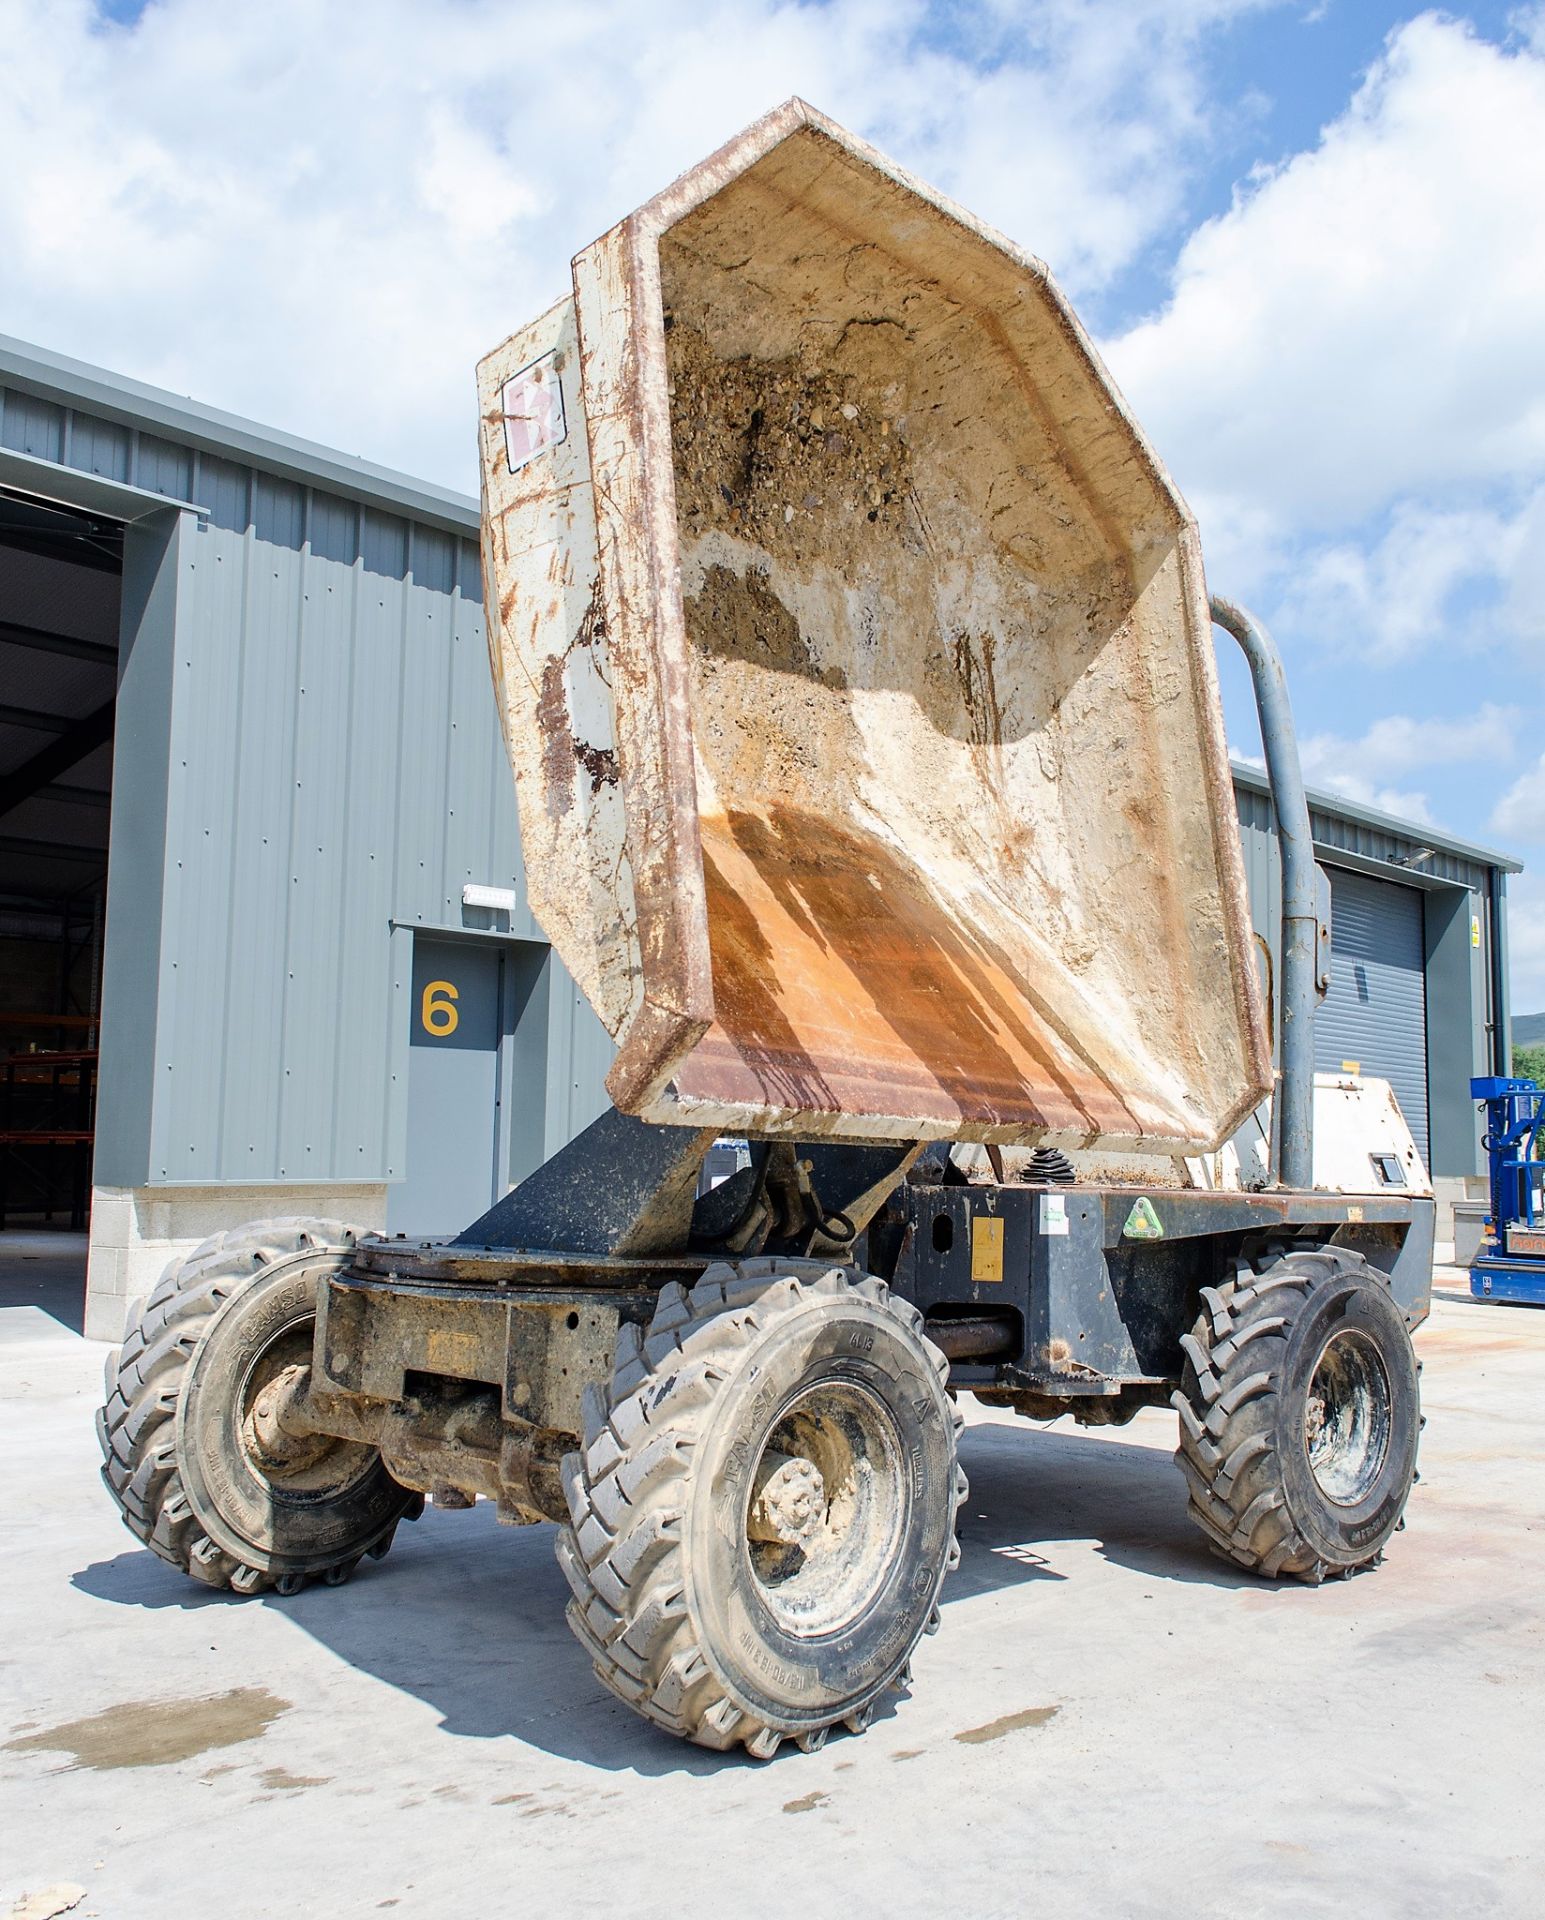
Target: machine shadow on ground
column 468, row 1616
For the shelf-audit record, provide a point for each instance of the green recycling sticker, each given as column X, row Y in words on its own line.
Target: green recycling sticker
column 1142, row 1222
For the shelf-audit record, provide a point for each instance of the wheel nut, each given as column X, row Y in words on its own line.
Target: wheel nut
column 790, row 1500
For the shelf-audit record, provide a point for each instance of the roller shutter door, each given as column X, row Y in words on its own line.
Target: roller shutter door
column 1376, row 1010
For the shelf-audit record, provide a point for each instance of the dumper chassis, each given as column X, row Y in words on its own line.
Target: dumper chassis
column 853, row 656
column 750, row 1445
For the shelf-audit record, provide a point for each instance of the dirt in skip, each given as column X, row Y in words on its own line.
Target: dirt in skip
column 806, row 1803
column 790, row 454
column 158, row 1733
column 1009, row 1723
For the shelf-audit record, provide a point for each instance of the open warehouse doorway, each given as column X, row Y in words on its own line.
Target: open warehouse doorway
column 60, row 590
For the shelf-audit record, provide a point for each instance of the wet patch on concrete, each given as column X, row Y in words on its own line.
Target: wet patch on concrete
column 806, row 1803
column 281, row 1780
column 1009, row 1723
column 158, row 1733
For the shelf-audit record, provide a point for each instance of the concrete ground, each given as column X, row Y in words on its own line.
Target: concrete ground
column 1109, row 1722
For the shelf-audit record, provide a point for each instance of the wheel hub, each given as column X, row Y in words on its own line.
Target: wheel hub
column 1347, row 1418
column 273, row 1431
column 276, row 1436
column 828, row 1507
column 789, row 1504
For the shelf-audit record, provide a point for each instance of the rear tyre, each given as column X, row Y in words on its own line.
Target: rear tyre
column 764, row 1509
column 1299, row 1415
column 182, row 1431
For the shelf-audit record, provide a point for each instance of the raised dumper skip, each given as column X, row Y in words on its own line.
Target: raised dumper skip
column 855, row 662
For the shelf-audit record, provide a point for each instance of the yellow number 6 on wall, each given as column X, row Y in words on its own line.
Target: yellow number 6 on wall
column 437, row 1009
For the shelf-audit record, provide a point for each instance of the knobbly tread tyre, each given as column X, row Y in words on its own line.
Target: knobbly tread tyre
column 1249, row 1491
column 137, row 1424
column 625, row 1550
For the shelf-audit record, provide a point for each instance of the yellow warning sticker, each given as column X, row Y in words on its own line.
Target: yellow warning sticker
column 986, row 1249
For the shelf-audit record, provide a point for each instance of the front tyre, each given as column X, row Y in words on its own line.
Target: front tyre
column 191, row 1451
column 1299, row 1415
column 764, row 1509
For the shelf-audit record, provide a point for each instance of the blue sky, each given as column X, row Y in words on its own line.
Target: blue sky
column 1308, row 238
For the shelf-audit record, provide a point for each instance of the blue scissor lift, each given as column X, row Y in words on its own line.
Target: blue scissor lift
column 1511, row 1265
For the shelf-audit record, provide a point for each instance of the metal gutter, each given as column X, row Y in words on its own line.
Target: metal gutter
column 131, row 403
column 92, row 492
column 1410, row 830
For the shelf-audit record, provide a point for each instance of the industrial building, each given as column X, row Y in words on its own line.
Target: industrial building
column 264, row 945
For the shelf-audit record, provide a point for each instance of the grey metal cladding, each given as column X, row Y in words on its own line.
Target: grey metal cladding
column 161, row 467
column 383, row 543
column 336, row 769
column 132, row 984
column 1348, row 826
column 32, row 425
column 321, row 773
column 227, row 491
column 279, row 511
column 334, row 527
column 579, row 1055
column 99, row 446
column 433, row 560
column 31, row 375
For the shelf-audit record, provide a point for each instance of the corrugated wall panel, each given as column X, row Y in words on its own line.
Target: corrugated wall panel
column 260, row 772
column 321, row 943
column 99, row 446
column 32, row 425
column 478, row 846
column 333, row 776
column 338, row 770
column 160, row 467
column 366, row 1006
column 204, row 861
column 580, row 1053
column 423, row 794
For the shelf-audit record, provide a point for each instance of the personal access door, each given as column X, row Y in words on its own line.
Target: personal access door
column 454, row 1091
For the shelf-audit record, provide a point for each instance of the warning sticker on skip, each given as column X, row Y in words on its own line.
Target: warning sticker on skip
column 533, row 411
column 1054, row 1213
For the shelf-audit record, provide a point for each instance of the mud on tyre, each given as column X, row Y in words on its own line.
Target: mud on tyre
column 764, row 1508
column 1299, row 1415
column 180, row 1455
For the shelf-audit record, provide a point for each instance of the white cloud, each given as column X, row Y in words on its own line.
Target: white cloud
column 1398, row 747
column 1361, row 332
column 1520, row 813
column 1366, row 319
column 1412, row 588
column 321, row 213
